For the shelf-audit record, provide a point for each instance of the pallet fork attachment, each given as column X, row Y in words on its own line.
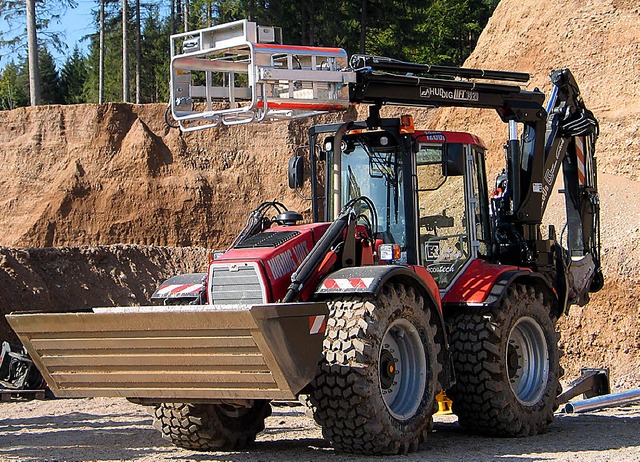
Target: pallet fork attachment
column 259, row 80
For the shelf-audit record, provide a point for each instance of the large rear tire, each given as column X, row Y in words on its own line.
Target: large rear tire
column 376, row 386
column 507, row 365
column 203, row 427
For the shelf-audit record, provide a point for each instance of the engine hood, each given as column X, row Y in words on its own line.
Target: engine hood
column 260, row 267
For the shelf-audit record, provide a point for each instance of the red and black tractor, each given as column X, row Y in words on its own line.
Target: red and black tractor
column 414, row 275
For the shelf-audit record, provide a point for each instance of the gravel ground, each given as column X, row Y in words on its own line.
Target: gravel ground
column 103, row 429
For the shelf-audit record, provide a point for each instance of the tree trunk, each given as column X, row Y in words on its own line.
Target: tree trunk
column 138, row 53
column 125, row 53
column 32, row 45
column 185, row 14
column 101, row 58
column 172, row 19
column 363, row 25
column 312, row 23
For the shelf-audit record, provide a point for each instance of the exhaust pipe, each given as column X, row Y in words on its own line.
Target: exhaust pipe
column 601, row 402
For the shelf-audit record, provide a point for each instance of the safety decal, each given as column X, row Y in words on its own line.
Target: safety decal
column 173, row 289
column 347, row 283
column 582, row 181
column 317, row 324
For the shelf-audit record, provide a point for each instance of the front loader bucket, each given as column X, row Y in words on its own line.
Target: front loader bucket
column 185, row 353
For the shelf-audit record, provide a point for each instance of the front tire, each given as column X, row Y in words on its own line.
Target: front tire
column 507, row 365
column 205, row 427
column 375, row 389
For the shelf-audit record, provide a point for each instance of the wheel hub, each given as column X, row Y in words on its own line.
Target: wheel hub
column 387, row 369
column 402, row 369
column 527, row 361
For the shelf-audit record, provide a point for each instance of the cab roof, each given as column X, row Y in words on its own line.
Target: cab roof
column 435, row 136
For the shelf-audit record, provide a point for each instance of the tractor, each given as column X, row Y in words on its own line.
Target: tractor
column 413, row 273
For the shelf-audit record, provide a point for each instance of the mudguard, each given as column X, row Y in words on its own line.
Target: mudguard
column 371, row 280
column 181, row 288
column 484, row 284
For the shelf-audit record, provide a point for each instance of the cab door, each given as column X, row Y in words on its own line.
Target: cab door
column 448, row 209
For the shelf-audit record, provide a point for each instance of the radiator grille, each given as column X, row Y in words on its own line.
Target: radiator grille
column 272, row 239
column 235, row 284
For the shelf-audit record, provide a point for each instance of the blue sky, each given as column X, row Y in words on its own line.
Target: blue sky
column 75, row 24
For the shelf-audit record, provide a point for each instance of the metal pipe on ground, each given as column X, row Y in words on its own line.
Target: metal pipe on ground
column 600, row 402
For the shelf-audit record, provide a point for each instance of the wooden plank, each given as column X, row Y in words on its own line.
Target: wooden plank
column 6, row 395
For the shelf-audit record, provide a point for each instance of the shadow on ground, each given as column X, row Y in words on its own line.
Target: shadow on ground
column 291, row 436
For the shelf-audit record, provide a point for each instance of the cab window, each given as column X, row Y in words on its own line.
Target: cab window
column 375, row 171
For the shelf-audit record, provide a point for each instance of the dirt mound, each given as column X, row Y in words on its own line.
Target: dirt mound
column 79, row 278
column 600, row 42
column 88, row 174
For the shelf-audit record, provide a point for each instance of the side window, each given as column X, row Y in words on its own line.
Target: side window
column 443, row 236
column 480, row 203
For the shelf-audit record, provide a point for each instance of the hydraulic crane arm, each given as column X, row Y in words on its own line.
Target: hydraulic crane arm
column 562, row 133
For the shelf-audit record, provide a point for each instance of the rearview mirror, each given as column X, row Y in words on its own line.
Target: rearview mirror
column 453, row 160
column 296, row 172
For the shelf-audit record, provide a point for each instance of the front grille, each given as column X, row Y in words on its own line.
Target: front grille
column 235, row 284
column 272, row 239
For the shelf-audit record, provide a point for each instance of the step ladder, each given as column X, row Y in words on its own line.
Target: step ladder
column 237, row 73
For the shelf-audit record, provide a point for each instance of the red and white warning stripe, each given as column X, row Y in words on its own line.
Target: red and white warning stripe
column 347, row 283
column 317, row 324
column 582, row 176
column 173, row 289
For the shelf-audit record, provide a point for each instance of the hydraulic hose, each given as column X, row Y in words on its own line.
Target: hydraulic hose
column 309, row 265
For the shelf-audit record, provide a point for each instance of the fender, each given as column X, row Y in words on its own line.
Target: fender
column 370, row 280
column 482, row 287
column 181, row 288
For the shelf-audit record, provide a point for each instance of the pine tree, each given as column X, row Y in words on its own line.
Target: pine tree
column 73, row 77
column 36, row 15
column 112, row 57
column 12, row 88
column 155, row 71
column 50, row 79
column 431, row 31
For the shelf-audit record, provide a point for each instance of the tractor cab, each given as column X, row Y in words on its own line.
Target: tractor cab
column 427, row 188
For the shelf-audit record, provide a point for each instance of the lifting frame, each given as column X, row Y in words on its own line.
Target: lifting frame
column 259, row 81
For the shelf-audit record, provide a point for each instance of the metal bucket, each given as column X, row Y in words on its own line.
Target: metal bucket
column 186, row 353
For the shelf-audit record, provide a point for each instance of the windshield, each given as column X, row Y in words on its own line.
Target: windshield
column 375, row 172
